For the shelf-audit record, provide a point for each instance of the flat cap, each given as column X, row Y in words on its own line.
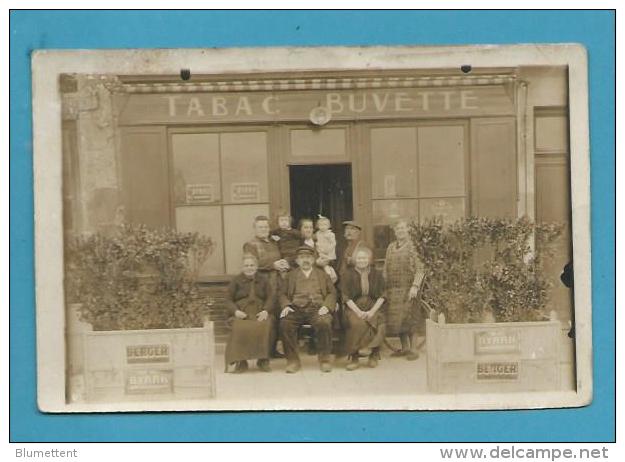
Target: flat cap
column 353, row 223
column 305, row 249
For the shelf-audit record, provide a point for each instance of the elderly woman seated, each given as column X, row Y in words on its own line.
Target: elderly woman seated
column 251, row 303
column 363, row 291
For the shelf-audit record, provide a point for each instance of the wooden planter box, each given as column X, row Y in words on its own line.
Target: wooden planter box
column 148, row 365
column 493, row 357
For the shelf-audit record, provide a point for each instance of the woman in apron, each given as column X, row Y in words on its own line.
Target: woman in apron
column 403, row 272
column 250, row 303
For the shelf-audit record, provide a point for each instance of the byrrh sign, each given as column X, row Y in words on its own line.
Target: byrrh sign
column 297, row 105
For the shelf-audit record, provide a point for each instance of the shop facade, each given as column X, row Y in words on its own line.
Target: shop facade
column 211, row 153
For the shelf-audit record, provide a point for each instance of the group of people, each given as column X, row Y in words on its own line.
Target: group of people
column 294, row 277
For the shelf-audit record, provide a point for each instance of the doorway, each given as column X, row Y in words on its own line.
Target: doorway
column 322, row 190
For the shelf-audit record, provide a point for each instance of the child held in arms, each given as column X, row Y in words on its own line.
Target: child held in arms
column 326, row 246
column 287, row 238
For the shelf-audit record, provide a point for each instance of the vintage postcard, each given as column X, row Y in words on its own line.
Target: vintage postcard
column 362, row 228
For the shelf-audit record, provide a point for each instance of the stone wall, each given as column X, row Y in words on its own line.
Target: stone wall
column 87, row 100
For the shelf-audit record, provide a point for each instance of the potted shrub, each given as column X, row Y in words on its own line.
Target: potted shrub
column 490, row 326
column 149, row 335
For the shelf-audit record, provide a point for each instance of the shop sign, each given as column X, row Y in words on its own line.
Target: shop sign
column 139, row 382
column 199, row 193
column 245, row 192
column 508, row 370
column 318, row 106
column 497, row 342
column 146, row 354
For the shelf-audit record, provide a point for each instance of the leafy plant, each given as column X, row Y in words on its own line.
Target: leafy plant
column 485, row 269
column 137, row 278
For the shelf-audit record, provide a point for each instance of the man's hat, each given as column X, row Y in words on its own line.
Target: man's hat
column 353, row 223
column 305, row 249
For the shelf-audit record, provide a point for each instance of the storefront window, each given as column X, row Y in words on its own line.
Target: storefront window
column 220, row 169
column 418, row 172
column 441, row 161
column 244, row 167
column 385, row 214
column 448, row 209
column 196, row 168
column 394, row 162
column 207, row 221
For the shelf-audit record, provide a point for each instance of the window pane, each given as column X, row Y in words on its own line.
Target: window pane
column 447, row 209
column 244, row 166
column 196, row 168
column 441, row 161
column 325, row 142
column 206, row 221
column 238, row 229
column 385, row 214
column 394, row 162
column 551, row 133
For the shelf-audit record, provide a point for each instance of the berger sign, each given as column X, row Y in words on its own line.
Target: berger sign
column 497, row 342
column 297, row 105
column 508, row 370
column 147, row 354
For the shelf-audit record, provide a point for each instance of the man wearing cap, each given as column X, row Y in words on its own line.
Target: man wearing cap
column 307, row 296
column 353, row 231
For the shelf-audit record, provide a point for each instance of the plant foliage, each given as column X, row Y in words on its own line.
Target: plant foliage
column 478, row 269
column 137, row 278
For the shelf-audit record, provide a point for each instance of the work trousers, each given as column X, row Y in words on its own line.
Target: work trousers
column 321, row 324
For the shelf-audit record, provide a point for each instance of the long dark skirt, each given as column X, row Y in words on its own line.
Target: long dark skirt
column 359, row 333
column 250, row 339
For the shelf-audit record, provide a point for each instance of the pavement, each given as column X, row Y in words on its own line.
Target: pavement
column 396, row 376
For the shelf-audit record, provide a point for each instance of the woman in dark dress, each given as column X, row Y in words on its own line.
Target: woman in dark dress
column 363, row 292
column 250, row 303
column 403, row 273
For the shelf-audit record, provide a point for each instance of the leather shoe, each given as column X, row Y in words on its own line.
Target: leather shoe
column 325, row 366
column 372, row 362
column 353, row 364
column 263, row 365
column 240, row 367
column 412, row 355
column 293, row 367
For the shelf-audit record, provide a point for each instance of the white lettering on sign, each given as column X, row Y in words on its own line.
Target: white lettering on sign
column 380, row 103
column 267, row 109
column 219, row 106
column 149, row 381
column 361, row 102
column 497, row 341
column 465, row 97
column 243, row 106
column 195, row 108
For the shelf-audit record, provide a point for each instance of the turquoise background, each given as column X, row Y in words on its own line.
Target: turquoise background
column 30, row 30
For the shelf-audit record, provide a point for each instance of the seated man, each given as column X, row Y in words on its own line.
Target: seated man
column 307, row 296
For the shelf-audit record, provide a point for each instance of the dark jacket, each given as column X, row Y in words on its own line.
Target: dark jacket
column 267, row 252
column 288, row 241
column 351, row 288
column 239, row 290
column 328, row 292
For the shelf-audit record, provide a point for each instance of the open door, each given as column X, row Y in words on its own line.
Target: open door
column 322, row 190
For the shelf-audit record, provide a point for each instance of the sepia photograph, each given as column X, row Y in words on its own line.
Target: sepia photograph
column 329, row 228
